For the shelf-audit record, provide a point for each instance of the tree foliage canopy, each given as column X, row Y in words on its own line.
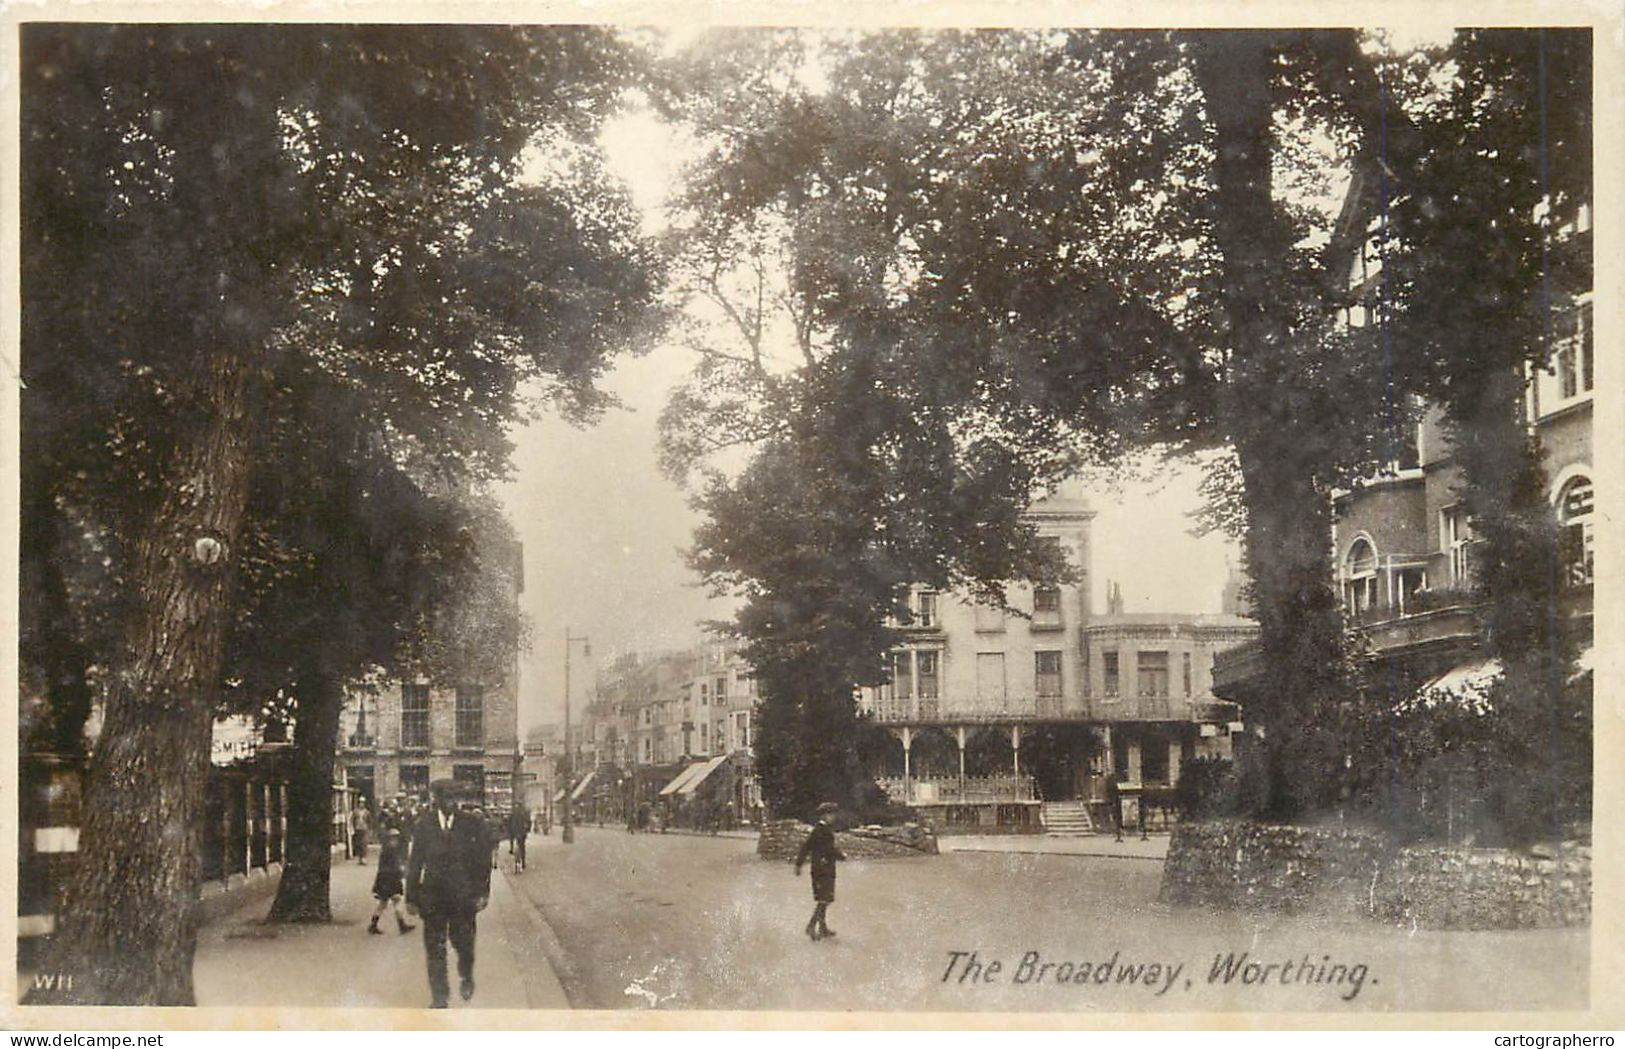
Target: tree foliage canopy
column 995, row 256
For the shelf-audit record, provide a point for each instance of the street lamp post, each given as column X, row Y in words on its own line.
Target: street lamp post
column 567, row 831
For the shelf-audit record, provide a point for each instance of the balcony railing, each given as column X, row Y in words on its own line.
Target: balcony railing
column 1418, row 603
column 950, row 790
column 974, row 710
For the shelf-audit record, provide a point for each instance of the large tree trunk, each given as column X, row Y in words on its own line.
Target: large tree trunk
column 1283, row 464
column 302, row 895
column 1300, row 631
column 130, row 927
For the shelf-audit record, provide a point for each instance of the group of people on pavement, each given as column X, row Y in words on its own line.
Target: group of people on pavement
column 439, row 861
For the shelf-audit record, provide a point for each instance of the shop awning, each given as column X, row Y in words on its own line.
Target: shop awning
column 681, row 778
column 693, row 782
column 1466, row 686
column 585, row 780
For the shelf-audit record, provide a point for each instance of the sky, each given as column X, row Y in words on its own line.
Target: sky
column 604, row 531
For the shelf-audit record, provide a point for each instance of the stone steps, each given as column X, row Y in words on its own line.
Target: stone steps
column 1066, row 819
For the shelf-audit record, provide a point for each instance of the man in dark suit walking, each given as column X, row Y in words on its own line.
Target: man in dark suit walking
column 448, row 882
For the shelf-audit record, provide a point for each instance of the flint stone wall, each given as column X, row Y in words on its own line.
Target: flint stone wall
column 1493, row 888
column 1347, row 872
column 781, row 840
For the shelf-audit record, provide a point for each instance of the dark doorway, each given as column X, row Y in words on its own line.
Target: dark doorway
column 1056, row 756
column 361, row 781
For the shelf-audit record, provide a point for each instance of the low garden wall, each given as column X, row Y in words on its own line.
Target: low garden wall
column 1359, row 873
column 781, row 840
column 1494, row 888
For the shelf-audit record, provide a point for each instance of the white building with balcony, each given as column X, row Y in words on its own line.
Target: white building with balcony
column 1017, row 720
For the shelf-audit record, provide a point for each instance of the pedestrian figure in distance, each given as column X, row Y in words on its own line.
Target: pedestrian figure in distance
column 448, row 882
column 518, row 831
column 819, row 848
column 390, row 882
column 358, row 831
column 1114, row 805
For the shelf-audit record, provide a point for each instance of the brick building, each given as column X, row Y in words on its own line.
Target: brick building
column 1402, row 543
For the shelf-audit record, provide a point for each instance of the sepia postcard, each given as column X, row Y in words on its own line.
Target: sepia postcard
column 748, row 516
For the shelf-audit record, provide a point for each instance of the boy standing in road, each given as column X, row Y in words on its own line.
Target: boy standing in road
column 821, row 850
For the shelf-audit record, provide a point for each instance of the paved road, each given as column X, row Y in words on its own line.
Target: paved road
column 677, row 921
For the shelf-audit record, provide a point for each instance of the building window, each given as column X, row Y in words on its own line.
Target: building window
column 1047, row 599
column 1575, row 537
column 721, row 691
column 1185, row 661
column 925, row 665
column 925, row 608
column 990, row 689
column 1455, row 536
column 415, row 780
column 1151, row 673
column 363, row 736
column 1360, row 577
column 415, row 716
column 1407, row 581
column 1047, row 673
column 902, row 675
column 1108, row 670
column 1574, row 352
column 470, row 718
column 472, row 779
column 648, row 751
column 705, row 694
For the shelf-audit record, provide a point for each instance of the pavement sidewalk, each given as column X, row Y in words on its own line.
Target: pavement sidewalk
column 1132, row 847
column 242, row 961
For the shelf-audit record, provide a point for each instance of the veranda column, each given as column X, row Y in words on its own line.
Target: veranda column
column 959, row 732
column 908, row 782
column 1015, row 749
column 248, row 825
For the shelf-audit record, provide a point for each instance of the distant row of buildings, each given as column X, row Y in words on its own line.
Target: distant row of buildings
column 680, row 720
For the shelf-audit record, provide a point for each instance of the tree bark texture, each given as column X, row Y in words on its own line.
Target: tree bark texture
column 130, row 929
column 303, row 894
column 1270, row 424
